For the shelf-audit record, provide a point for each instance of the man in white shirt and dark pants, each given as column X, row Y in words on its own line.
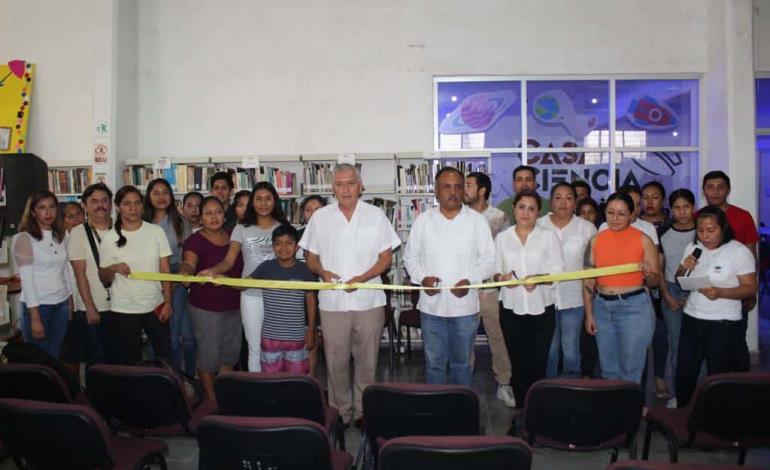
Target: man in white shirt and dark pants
column 449, row 246
column 350, row 241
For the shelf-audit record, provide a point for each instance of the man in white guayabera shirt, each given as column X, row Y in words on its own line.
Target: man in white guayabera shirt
column 450, row 245
column 350, row 241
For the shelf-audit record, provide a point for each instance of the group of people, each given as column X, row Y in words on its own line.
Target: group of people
column 80, row 304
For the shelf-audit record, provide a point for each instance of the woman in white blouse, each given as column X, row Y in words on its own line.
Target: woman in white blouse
column 527, row 312
column 711, row 324
column 574, row 234
column 40, row 253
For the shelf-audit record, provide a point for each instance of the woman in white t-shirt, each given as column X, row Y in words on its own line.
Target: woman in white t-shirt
column 134, row 245
column 711, row 325
column 253, row 237
column 574, row 233
column 40, row 253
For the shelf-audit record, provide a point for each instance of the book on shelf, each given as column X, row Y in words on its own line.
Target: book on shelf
column 285, row 181
column 138, row 175
column 182, row 177
column 467, row 166
column 417, row 177
column 291, row 210
column 387, row 206
column 319, row 177
column 408, row 211
column 69, row 180
column 421, row 177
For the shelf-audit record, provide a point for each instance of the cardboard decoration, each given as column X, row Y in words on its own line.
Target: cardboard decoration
column 15, row 92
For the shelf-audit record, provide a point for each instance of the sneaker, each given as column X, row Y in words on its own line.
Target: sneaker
column 505, row 395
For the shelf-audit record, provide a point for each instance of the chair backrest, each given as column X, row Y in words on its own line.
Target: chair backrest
column 28, row 353
column 139, row 397
column 33, row 382
column 455, row 453
column 54, row 435
column 270, row 395
column 262, row 443
column 734, row 407
column 582, row 413
column 396, row 409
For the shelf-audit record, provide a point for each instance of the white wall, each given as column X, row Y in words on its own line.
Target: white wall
column 762, row 35
column 244, row 77
column 62, row 38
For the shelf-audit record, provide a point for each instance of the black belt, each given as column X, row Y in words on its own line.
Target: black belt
column 624, row 295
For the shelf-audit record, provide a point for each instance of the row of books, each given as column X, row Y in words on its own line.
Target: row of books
column 285, row 182
column 70, row 181
column 319, row 177
column 185, row 178
column 421, row 177
column 407, row 211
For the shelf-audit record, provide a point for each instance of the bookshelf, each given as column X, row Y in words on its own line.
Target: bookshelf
column 401, row 184
column 68, row 179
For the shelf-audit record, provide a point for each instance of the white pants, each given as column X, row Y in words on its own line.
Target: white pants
column 252, row 314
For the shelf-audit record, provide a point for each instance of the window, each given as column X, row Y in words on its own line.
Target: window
column 606, row 131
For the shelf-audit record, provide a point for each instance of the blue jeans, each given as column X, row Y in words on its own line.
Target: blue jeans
column 624, row 329
column 566, row 339
column 182, row 335
column 673, row 319
column 55, row 319
column 448, row 343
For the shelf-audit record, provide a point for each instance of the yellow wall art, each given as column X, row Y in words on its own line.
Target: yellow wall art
column 15, row 93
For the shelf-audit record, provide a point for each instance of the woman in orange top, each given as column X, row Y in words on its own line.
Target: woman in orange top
column 618, row 309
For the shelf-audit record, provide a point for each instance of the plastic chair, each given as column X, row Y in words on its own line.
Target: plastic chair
column 455, row 453
column 727, row 411
column 144, row 401
column 238, row 442
column 55, row 435
column 583, row 415
column 278, row 395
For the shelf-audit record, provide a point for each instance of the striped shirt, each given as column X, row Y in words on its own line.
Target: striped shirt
column 284, row 308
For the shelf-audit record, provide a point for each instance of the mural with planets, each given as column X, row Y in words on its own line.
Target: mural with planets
column 16, row 79
column 565, row 114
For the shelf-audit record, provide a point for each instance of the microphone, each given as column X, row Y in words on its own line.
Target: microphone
column 695, row 254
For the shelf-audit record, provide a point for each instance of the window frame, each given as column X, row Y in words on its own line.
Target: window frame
column 615, row 152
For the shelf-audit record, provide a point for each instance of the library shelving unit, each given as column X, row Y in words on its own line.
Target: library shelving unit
column 415, row 189
column 401, row 184
column 68, row 179
column 283, row 171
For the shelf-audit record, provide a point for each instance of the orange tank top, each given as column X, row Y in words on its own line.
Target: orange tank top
column 612, row 248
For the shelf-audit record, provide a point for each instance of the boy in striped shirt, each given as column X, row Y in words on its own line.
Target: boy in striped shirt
column 286, row 336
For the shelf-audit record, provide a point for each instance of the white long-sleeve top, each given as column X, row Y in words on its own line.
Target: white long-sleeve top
column 541, row 254
column 452, row 250
column 43, row 269
column 574, row 239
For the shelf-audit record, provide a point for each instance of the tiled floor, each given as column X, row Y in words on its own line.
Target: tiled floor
column 496, row 419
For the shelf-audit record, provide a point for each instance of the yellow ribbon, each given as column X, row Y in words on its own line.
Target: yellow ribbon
column 305, row 285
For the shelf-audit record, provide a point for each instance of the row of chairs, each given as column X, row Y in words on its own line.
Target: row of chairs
column 229, row 442
column 727, row 411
